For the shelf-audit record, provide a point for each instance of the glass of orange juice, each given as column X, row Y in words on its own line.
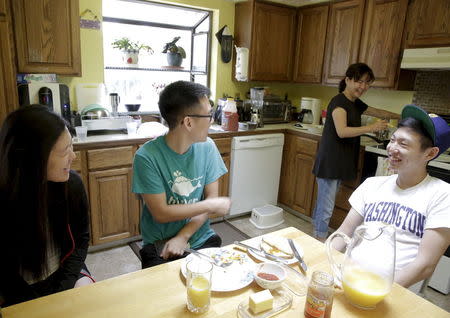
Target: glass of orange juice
column 198, row 278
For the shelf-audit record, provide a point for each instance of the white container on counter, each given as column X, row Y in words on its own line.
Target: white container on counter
column 313, row 104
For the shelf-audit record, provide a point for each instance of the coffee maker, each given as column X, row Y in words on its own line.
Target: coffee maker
column 257, row 100
column 53, row 95
column 310, row 112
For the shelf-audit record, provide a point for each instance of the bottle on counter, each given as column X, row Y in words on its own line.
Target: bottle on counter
column 230, row 117
column 319, row 298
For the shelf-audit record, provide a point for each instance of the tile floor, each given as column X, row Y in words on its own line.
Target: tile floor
column 120, row 260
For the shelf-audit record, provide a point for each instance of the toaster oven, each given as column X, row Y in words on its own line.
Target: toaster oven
column 276, row 111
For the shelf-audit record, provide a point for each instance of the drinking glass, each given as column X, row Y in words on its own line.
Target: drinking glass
column 81, row 133
column 198, row 283
column 132, row 128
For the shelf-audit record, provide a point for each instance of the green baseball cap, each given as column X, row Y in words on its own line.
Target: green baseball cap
column 436, row 126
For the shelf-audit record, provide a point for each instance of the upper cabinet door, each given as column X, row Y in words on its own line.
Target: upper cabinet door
column 428, row 23
column 272, row 43
column 47, row 36
column 310, row 44
column 8, row 88
column 381, row 39
column 343, row 39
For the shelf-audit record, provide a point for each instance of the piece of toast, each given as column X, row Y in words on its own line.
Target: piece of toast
column 277, row 246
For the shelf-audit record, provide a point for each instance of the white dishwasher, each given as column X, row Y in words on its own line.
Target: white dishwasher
column 255, row 171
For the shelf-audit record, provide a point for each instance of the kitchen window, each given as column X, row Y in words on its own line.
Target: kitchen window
column 153, row 24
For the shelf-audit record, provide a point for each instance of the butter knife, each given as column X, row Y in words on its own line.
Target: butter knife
column 301, row 263
column 261, row 252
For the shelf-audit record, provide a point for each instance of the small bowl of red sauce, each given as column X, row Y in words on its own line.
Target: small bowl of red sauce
column 269, row 275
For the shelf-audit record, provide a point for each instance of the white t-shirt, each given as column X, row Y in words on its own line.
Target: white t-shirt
column 411, row 211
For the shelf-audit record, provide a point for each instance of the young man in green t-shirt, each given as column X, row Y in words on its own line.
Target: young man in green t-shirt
column 177, row 176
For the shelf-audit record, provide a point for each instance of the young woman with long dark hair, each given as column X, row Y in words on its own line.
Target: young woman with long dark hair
column 337, row 158
column 44, row 228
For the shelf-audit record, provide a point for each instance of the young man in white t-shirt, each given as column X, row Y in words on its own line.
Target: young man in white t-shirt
column 417, row 204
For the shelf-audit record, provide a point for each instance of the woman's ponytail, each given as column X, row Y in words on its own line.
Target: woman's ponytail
column 342, row 85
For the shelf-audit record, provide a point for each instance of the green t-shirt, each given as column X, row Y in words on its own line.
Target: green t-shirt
column 159, row 169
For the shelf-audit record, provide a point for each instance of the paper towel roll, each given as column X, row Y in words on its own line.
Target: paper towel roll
column 241, row 71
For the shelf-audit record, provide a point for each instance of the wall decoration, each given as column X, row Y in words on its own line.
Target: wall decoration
column 89, row 20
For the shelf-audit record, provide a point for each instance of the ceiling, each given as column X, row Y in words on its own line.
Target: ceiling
column 292, row 3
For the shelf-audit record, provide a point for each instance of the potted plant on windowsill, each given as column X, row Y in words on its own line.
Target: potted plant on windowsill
column 175, row 53
column 130, row 49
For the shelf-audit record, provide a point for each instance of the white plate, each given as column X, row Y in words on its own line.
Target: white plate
column 233, row 277
column 257, row 244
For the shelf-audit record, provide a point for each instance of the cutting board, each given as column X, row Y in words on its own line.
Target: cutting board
column 90, row 93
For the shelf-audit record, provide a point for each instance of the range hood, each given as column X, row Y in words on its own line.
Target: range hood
column 427, row 59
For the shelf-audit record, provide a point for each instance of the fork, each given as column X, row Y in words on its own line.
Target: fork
column 209, row 258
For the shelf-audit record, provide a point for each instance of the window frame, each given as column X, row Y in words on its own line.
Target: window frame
column 192, row 73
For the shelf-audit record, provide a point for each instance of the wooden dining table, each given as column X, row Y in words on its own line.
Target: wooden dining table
column 160, row 291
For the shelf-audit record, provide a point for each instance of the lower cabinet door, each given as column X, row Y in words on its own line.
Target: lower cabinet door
column 225, row 179
column 303, row 184
column 114, row 209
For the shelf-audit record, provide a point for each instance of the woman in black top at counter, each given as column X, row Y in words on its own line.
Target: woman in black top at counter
column 44, row 228
column 337, row 158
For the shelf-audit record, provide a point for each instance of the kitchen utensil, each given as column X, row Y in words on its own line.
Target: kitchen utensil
column 261, row 253
column 214, row 261
column 114, row 100
column 367, row 272
column 132, row 107
column 301, row 263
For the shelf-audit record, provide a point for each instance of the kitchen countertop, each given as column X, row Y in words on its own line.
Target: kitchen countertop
column 215, row 131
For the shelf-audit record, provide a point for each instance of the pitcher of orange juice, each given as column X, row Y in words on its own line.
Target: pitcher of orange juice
column 367, row 271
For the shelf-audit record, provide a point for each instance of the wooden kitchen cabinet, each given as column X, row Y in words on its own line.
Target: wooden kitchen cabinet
column 114, row 210
column 296, row 180
column 381, row 39
column 47, row 34
column 310, row 44
column 368, row 31
column 224, row 146
column 428, row 23
column 343, row 39
column 8, row 91
column 268, row 31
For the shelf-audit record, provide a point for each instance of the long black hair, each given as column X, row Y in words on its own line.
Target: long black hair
column 26, row 140
column 355, row 72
